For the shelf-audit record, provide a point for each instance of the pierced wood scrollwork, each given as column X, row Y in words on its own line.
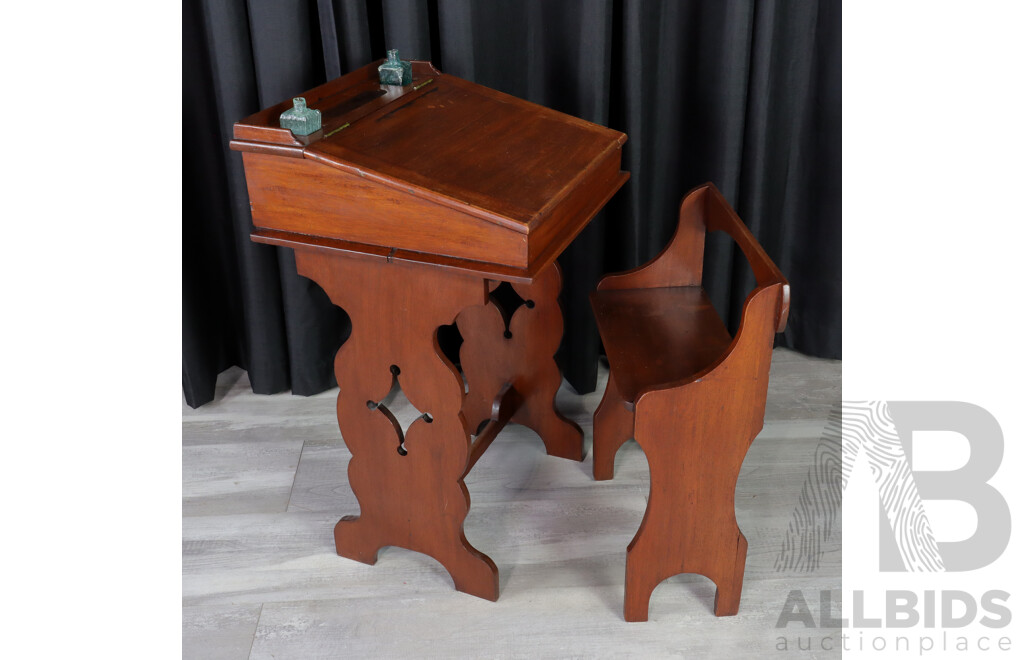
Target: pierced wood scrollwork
column 512, row 339
column 383, row 408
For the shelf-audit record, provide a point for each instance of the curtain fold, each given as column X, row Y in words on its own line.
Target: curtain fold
column 742, row 93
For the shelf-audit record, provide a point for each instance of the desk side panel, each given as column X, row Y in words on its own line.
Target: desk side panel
column 554, row 232
column 305, row 197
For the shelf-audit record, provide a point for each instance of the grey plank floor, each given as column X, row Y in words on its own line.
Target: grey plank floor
column 264, row 480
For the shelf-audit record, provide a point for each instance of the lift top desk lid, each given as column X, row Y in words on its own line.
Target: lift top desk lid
column 440, row 171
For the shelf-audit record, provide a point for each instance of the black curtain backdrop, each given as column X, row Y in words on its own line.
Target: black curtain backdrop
column 743, row 93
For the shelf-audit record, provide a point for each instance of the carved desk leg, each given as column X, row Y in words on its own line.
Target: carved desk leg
column 522, row 355
column 409, row 486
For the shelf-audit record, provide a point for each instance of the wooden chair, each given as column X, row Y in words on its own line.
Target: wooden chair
column 693, row 397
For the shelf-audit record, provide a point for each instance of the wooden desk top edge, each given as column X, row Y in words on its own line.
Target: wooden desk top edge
column 307, row 242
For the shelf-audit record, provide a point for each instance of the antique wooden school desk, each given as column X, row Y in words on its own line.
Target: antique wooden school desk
column 410, row 206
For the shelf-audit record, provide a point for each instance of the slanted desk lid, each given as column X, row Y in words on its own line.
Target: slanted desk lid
column 458, row 142
column 476, row 145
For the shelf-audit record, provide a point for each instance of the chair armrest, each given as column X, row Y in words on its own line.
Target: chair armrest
column 720, row 216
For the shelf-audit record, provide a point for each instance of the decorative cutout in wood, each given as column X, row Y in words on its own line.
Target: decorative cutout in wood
column 529, row 319
column 397, row 400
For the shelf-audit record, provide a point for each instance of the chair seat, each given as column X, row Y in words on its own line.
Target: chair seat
column 657, row 336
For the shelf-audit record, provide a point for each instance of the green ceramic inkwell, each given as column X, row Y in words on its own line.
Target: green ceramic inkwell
column 300, row 119
column 395, row 71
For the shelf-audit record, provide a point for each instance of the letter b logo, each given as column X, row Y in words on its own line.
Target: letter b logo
column 967, row 484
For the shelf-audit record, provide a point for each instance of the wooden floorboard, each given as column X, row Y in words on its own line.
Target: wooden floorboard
column 264, row 480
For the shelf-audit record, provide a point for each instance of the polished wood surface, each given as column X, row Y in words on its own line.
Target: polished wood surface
column 444, row 141
column 518, row 347
column 304, row 197
column 659, row 335
column 409, row 483
column 443, row 168
column 410, row 207
column 694, row 411
column 336, row 246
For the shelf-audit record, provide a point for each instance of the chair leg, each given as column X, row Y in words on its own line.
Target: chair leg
column 648, row 566
column 641, row 579
column 690, row 522
column 676, row 538
column 613, row 426
column 727, row 595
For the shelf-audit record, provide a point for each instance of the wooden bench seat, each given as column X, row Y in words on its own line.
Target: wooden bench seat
column 654, row 336
column 691, row 395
